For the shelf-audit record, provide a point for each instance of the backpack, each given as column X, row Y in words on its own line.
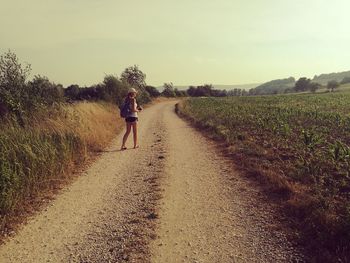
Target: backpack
column 125, row 109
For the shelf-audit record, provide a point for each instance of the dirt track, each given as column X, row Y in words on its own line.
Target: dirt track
column 175, row 199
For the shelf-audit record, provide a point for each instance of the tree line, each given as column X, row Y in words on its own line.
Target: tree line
column 21, row 96
column 305, row 84
column 207, row 90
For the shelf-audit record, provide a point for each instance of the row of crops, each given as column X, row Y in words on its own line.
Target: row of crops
column 300, row 144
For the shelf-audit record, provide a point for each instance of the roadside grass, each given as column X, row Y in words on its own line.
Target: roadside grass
column 298, row 145
column 43, row 153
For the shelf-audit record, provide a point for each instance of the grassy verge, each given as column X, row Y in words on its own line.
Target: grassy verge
column 297, row 145
column 42, row 154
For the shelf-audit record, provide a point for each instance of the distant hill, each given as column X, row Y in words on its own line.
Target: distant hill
column 324, row 78
column 223, row 87
column 280, row 85
column 275, row 86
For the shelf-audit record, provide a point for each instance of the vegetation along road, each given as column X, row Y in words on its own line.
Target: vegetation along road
column 175, row 199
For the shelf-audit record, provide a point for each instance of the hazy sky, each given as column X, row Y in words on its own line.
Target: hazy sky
column 183, row 41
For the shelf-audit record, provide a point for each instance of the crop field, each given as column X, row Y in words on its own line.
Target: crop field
column 297, row 144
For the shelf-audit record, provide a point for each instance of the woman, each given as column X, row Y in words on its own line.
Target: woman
column 132, row 118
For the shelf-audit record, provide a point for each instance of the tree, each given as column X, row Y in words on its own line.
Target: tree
column 113, row 90
column 302, row 84
column 235, row 92
column 252, row 92
column 204, row 90
column 168, row 90
column 12, row 74
column 72, row 92
column 137, row 79
column 191, row 91
column 91, row 93
column 134, row 77
column 43, row 92
column 313, row 86
column 332, row 85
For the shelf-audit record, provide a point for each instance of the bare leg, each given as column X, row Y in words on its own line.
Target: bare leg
column 126, row 135
column 134, row 130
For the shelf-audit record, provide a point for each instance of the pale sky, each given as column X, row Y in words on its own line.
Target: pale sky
column 180, row 41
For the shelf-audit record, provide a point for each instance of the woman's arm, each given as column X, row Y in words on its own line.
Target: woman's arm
column 133, row 103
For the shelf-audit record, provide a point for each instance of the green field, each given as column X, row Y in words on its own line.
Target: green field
column 297, row 144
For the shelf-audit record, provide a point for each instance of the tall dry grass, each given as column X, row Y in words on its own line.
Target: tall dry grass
column 48, row 148
column 94, row 123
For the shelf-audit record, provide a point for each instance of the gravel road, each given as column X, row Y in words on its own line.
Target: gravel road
column 175, row 199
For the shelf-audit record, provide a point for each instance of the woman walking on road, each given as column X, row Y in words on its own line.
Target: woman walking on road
column 131, row 118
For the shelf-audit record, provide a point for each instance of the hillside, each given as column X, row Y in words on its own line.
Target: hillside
column 324, row 78
column 275, row 86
